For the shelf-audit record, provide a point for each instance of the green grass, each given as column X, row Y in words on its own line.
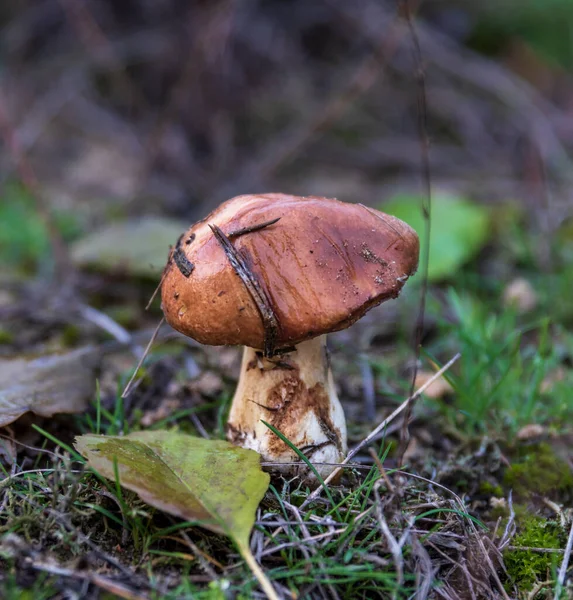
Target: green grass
column 41, row 503
column 500, row 382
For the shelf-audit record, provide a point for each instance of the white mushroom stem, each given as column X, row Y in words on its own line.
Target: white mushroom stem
column 295, row 393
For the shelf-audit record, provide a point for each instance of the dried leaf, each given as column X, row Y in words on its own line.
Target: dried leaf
column 46, row 385
column 165, row 409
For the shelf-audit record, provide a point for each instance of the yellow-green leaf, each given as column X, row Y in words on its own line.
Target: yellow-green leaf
column 208, row 481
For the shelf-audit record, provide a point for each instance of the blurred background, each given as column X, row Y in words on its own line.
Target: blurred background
column 169, row 107
column 123, row 122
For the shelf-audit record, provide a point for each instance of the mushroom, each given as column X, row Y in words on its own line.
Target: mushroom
column 275, row 273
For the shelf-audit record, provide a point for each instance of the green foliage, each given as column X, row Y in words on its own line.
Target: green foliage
column 539, row 471
column 491, row 489
column 527, row 567
column 459, row 229
column 42, row 589
column 6, row 337
column 498, row 382
column 545, row 25
column 24, row 236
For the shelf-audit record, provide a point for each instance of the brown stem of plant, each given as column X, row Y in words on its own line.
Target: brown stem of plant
column 426, row 212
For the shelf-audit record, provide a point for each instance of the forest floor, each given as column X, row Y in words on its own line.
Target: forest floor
column 478, row 507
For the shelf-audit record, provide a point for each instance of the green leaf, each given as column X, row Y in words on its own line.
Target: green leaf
column 208, row 481
column 24, row 238
column 211, row 482
column 138, row 248
column 459, row 229
column 544, row 26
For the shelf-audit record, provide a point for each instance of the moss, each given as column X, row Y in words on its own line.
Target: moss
column 527, row 567
column 538, row 470
column 490, row 489
column 6, row 337
column 70, row 336
column 125, row 315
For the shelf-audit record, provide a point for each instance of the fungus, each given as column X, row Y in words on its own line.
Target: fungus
column 275, row 273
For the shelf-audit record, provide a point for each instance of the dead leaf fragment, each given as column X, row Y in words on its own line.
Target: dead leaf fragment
column 166, row 408
column 437, row 389
column 520, row 294
column 531, row 432
column 47, row 385
column 496, row 502
column 207, row 384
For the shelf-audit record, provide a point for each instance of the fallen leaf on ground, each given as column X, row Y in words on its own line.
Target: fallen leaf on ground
column 459, row 229
column 211, row 482
column 138, row 248
column 46, row 385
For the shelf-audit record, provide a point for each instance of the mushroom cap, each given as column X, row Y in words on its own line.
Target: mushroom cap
column 320, row 267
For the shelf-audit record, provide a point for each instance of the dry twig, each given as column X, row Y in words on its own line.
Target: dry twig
column 380, row 429
column 564, row 564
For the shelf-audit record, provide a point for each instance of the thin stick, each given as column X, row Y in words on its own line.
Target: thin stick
column 105, row 583
column 564, row 565
column 268, row 317
column 471, row 524
column 394, row 546
column 252, row 228
column 426, row 213
column 129, row 385
column 382, row 470
column 163, row 275
column 172, row 251
column 258, row 572
column 373, row 434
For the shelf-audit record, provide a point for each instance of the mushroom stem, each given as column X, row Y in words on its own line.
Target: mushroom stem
column 295, row 393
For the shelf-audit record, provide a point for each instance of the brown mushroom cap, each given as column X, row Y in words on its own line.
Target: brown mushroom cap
column 322, row 266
